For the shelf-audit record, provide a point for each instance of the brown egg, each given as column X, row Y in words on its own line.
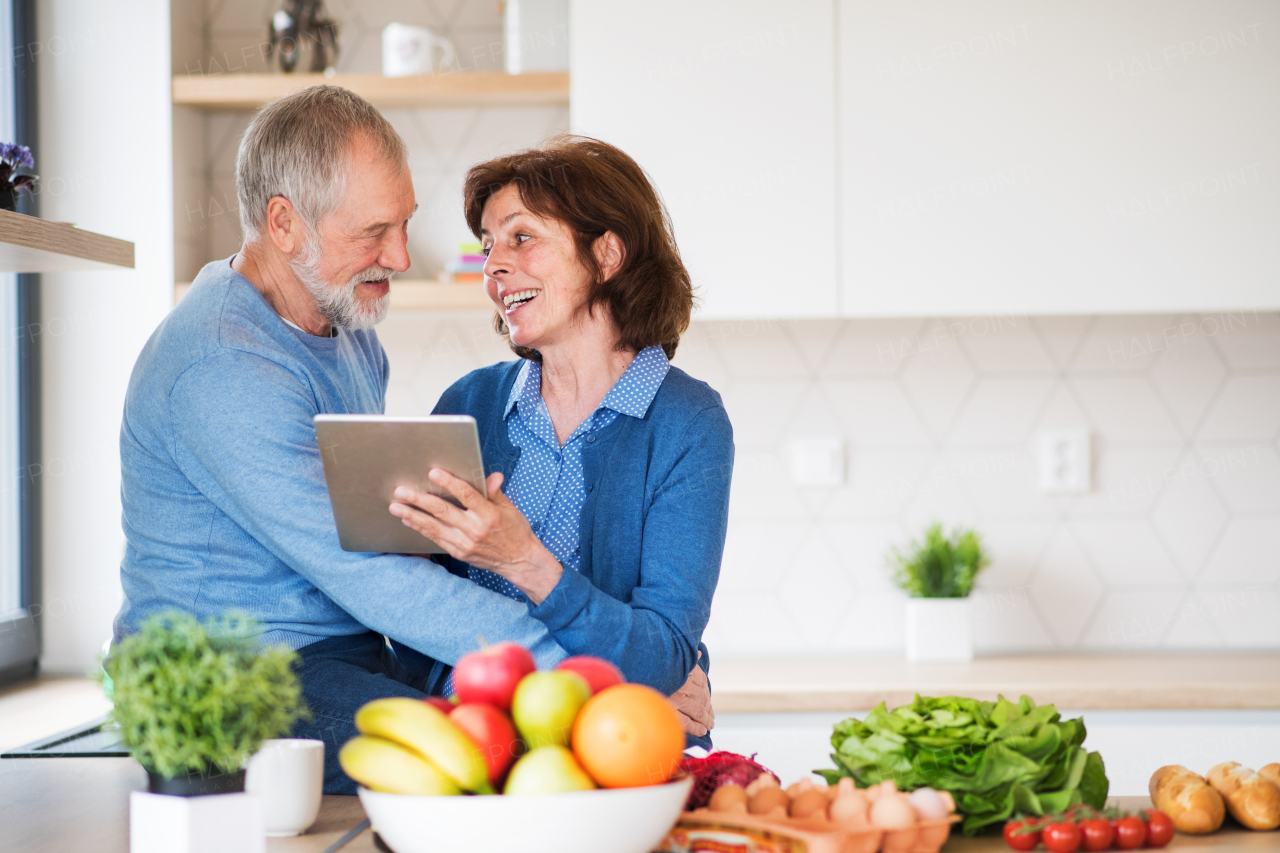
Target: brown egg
column 767, row 799
column 797, row 788
column 809, row 803
column 850, row 809
column 764, row 780
column 892, row 811
column 729, row 798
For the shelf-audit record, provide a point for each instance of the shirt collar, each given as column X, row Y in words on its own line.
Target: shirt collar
column 522, row 379
column 631, row 395
column 634, row 392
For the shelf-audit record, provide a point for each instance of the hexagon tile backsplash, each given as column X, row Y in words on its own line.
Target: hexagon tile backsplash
column 1174, row 547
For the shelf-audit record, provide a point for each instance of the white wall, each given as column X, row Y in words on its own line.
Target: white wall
column 1173, row 548
column 105, row 164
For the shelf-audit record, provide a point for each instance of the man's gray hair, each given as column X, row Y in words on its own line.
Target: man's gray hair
column 298, row 147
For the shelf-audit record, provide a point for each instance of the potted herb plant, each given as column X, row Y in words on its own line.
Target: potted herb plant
column 12, row 158
column 193, row 701
column 938, row 573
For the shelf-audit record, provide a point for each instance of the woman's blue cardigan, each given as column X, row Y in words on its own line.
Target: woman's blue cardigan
column 652, row 529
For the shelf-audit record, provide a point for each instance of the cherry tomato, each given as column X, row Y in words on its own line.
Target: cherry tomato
column 1159, row 828
column 1061, row 837
column 1131, row 832
column 1097, row 833
column 1022, row 834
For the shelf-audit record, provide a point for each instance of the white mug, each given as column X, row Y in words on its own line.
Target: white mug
column 408, row 50
column 287, row 776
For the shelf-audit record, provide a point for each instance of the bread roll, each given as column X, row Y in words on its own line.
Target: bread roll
column 1271, row 771
column 1252, row 799
column 1194, row 806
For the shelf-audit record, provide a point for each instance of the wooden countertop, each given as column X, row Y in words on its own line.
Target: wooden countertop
column 1075, row 682
column 82, row 804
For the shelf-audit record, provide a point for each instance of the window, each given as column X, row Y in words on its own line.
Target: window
column 10, row 506
column 19, row 381
column 10, row 450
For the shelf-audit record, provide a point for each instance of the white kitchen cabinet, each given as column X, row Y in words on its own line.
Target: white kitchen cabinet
column 729, row 105
column 1074, row 156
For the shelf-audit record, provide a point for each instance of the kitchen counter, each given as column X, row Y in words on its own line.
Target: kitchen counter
column 1231, row 838
column 82, row 804
column 1077, row 682
column 67, row 805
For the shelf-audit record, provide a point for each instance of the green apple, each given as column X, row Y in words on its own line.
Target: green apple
column 547, row 770
column 545, row 705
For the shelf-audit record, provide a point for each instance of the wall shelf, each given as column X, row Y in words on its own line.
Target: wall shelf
column 29, row 244
column 414, row 295
column 250, row 91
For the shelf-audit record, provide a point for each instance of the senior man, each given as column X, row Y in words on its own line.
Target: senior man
column 225, row 504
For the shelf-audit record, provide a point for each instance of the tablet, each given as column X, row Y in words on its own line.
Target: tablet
column 366, row 457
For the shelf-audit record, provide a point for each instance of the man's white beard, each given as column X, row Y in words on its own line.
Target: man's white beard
column 340, row 305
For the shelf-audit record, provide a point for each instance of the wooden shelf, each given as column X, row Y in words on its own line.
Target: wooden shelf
column 250, row 91
column 28, row 244
column 411, row 295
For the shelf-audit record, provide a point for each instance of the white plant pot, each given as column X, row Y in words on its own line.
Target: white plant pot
column 215, row 823
column 939, row 629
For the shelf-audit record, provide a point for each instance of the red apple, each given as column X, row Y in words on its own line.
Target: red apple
column 597, row 672
column 493, row 732
column 440, row 703
column 491, row 674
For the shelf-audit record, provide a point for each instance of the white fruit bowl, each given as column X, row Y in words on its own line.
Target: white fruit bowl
column 619, row 820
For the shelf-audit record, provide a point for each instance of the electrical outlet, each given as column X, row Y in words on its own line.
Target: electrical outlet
column 1065, row 461
column 817, row 462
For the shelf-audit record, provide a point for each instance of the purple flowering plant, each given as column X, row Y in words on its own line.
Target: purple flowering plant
column 12, row 157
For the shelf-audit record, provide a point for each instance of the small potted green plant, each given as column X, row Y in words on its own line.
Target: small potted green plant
column 193, row 701
column 938, row 573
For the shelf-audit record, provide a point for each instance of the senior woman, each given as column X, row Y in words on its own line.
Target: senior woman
column 608, row 498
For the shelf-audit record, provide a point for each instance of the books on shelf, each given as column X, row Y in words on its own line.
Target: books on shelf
column 467, row 267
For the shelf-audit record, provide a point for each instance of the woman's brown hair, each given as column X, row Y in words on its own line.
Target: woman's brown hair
column 593, row 188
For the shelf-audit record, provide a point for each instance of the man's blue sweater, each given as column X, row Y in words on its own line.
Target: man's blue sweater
column 225, row 504
column 652, row 528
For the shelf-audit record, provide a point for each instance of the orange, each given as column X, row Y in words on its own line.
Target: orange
column 627, row 736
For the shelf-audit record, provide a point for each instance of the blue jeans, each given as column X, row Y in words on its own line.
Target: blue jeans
column 339, row 674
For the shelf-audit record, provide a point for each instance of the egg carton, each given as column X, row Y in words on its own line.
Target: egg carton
column 704, row 830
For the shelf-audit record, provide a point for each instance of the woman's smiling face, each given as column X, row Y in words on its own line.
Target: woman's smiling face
column 532, row 272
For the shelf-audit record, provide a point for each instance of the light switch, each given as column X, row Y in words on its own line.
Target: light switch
column 817, row 461
column 1065, row 461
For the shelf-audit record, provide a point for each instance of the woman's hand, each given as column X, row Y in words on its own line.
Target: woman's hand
column 488, row 532
column 693, row 703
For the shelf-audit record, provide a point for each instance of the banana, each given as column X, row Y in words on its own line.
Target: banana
column 428, row 731
column 381, row 765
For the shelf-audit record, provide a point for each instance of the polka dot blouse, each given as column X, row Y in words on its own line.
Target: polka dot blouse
column 547, row 484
